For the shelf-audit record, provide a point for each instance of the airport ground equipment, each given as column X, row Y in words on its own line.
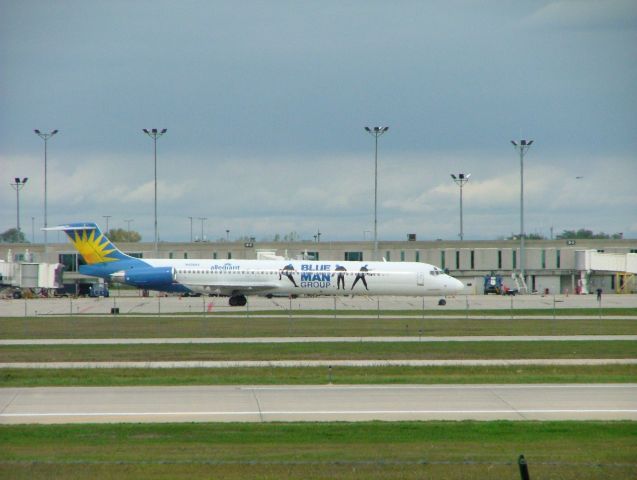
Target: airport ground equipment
column 493, row 284
column 98, row 290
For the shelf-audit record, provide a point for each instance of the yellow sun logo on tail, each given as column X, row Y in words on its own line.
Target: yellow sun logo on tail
column 94, row 250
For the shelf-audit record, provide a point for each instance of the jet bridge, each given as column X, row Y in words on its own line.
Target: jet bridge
column 31, row 275
column 623, row 265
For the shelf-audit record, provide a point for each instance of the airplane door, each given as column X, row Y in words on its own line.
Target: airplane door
column 421, row 278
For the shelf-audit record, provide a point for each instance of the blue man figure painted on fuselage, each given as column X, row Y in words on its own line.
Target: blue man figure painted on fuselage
column 361, row 276
column 288, row 270
column 340, row 276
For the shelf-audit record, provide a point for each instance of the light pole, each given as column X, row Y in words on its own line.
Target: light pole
column 227, row 235
column 376, row 132
column 460, row 180
column 155, row 134
column 17, row 186
column 106, row 217
column 203, row 219
column 190, row 229
column 45, row 137
column 128, row 222
column 522, row 148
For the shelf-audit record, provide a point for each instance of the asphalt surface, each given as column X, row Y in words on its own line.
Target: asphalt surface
column 131, row 303
column 317, row 403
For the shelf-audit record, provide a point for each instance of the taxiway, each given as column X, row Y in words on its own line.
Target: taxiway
column 318, row 403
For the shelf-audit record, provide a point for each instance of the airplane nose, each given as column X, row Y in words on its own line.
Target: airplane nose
column 453, row 285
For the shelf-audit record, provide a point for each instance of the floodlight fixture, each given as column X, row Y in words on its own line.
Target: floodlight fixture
column 45, row 137
column 154, row 134
column 376, row 132
column 522, row 148
column 17, row 185
column 461, row 179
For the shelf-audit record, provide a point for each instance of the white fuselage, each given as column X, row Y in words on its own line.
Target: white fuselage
column 308, row 277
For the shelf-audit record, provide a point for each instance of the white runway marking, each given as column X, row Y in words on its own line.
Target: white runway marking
column 259, row 340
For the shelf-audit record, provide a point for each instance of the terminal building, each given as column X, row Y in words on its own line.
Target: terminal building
column 551, row 266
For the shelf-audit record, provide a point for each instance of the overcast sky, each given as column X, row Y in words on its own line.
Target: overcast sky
column 265, row 104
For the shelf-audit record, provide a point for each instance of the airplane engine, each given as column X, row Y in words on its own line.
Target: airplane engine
column 151, row 277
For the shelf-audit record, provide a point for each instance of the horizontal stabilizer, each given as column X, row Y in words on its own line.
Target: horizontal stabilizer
column 62, row 228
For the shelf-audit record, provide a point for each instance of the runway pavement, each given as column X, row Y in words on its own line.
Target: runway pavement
column 202, row 305
column 317, row 403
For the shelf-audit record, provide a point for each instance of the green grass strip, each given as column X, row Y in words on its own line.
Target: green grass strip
column 318, row 375
column 320, row 351
column 210, row 326
column 450, row 450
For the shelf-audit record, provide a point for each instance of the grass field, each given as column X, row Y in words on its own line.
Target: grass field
column 95, row 377
column 319, row 351
column 374, row 450
column 545, row 310
column 212, row 326
column 377, row 450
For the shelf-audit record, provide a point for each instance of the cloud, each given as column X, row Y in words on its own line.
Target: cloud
column 264, row 195
column 585, row 15
column 265, row 105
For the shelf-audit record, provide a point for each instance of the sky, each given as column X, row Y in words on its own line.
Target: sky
column 265, row 104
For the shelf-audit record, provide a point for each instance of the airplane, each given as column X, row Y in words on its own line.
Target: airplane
column 239, row 278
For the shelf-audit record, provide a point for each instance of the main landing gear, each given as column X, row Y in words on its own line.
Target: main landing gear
column 238, row 301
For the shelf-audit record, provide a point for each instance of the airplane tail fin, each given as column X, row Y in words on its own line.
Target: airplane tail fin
column 92, row 244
